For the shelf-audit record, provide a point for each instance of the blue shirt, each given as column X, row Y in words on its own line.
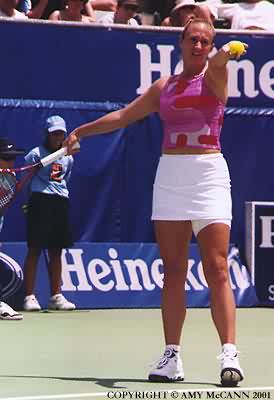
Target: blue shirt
column 52, row 179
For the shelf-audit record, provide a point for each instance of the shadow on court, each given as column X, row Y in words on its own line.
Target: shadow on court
column 110, row 383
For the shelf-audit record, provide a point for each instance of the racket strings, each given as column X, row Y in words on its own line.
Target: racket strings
column 7, row 188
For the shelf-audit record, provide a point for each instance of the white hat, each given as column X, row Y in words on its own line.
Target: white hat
column 212, row 6
column 183, row 3
column 56, row 123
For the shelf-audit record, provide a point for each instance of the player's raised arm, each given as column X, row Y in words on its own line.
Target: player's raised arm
column 217, row 74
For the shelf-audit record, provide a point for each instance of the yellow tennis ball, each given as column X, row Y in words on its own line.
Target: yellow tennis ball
column 236, row 48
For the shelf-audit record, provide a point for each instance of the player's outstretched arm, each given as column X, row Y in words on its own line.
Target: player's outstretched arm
column 136, row 110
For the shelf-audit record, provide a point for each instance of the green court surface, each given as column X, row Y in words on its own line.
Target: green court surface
column 92, row 354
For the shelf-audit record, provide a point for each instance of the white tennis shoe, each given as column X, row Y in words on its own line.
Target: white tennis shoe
column 231, row 372
column 59, row 302
column 169, row 368
column 31, row 303
column 8, row 313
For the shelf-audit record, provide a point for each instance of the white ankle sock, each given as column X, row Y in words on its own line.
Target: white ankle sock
column 54, row 296
column 229, row 347
column 173, row 347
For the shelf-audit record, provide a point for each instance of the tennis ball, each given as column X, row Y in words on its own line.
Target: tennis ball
column 236, row 48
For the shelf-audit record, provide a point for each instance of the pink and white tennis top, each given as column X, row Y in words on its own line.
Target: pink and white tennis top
column 191, row 113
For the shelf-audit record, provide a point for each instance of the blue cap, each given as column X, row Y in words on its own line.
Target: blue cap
column 56, row 123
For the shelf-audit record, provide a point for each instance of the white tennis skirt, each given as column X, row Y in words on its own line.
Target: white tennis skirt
column 192, row 187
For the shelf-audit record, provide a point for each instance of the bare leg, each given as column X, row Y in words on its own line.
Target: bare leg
column 30, row 269
column 213, row 241
column 55, row 270
column 173, row 238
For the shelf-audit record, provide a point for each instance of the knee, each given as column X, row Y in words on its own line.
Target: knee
column 175, row 275
column 216, row 272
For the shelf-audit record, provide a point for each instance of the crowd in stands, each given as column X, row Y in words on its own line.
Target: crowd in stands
column 247, row 14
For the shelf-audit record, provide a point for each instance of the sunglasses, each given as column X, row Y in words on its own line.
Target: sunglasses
column 130, row 7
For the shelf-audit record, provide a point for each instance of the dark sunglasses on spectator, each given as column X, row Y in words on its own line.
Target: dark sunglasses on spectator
column 130, row 7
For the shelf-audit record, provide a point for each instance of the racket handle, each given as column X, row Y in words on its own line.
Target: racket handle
column 56, row 155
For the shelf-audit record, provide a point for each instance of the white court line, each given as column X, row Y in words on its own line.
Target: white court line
column 101, row 394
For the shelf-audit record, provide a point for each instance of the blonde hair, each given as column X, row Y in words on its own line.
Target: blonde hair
column 198, row 21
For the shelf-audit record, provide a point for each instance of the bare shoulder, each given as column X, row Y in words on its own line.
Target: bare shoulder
column 55, row 15
column 155, row 90
column 160, row 83
column 157, row 87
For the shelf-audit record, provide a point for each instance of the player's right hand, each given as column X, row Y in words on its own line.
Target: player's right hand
column 72, row 143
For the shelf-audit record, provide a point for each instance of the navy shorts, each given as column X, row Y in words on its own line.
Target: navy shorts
column 48, row 222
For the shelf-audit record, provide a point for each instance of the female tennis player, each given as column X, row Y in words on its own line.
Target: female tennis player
column 191, row 189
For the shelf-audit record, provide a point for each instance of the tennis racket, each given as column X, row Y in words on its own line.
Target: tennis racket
column 10, row 186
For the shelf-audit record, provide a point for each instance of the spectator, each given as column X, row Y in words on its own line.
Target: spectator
column 183, row 12
column 207, row 10
column 36, row 11
column 186, row 10
column 104, row 5
column 166, row 22
column 48, row 216
column 51, row 6
column 8, row 9
column 8, row 313
column 126, row 10
column 72, row 12
column 8, row 153
column 249, row 14
column 89, row 11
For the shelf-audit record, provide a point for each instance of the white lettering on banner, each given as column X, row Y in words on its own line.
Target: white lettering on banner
column 117, row 269
column 240, row 280
column 76, row 267
column 235, row 271
column 191, row 278
column 201, row 274
column 132, row 266
column 136, row 274
column 271, row 291
column 156, row 274
column 147, row 66
column 95, row 276
column 267, row 232
column 246, row 67
column 266, row 82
